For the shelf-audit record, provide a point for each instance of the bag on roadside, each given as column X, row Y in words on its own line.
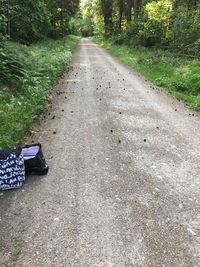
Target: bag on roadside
column 12, row 169
column 34, row 160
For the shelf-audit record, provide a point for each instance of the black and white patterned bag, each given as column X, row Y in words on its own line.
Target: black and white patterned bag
column 12, row 169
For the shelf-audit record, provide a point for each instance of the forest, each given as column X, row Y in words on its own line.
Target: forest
column 167, row 24
column 29, row 21
column 158, row 38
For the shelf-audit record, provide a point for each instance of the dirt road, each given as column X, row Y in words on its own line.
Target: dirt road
column 124, row 183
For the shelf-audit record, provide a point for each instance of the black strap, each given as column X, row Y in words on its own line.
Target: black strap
column 4, row 154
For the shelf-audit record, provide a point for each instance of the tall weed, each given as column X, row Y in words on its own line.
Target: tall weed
column 26, row 75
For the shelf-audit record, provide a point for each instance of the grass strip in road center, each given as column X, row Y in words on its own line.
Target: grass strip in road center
column 178, row 75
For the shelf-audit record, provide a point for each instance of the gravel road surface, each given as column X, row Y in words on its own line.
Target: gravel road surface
column 123, row 188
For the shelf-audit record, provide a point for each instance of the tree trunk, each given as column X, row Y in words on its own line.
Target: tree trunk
column 8, row 28
column 107, row 10
column 136, row 7
column 128, row 10
column 121, row 8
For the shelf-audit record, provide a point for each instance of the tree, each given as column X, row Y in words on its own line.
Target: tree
column 8, row 11
column 121, row 10
column 107, row 11
column 60, row 13
column 173, row 24
column 31, row 20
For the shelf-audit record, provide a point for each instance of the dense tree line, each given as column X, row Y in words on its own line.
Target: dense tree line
column 28, row 21
column 31, row 20
column 165, row 23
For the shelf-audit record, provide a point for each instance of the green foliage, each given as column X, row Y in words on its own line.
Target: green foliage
column 107, row 13
column 92, row 21
column 167, row 24
column 13, row 64
column 3, row 23
column 31, row 23
column 28, row 21
column 30, row 72
column 81, row 23
column 189, row 80
column 151, row 28
column 75, row 25
column 176, row 74
column 186, row 31
column 155, row 25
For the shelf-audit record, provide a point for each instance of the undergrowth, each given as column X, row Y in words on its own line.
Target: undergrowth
column 27, row 74
column 178, row 75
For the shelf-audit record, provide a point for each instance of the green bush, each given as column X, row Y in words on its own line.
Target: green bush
column 27, row 74
column 186, row 31
column 188, row 83
column 13, row 64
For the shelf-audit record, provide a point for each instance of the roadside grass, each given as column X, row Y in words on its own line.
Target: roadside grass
column 26, row 76
column 180, row 76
